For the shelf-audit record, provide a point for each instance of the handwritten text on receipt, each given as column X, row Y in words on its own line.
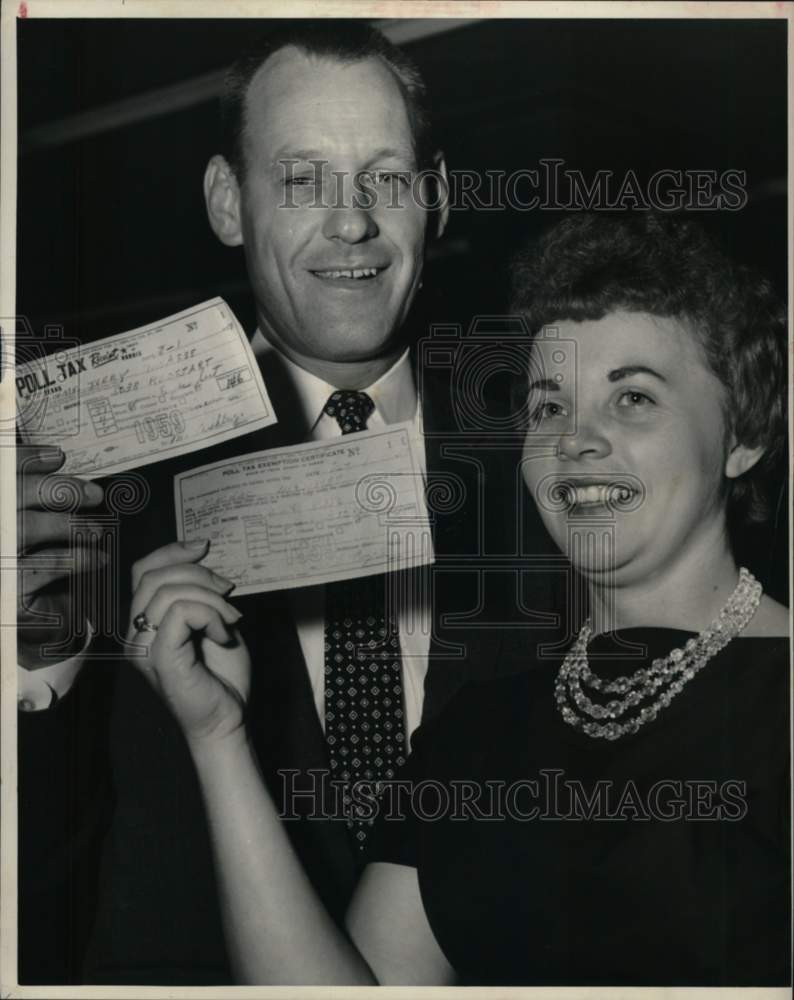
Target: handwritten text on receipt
column 312, row 513
column 183, row 383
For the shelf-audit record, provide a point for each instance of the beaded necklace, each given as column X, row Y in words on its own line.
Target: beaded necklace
column 670, row 673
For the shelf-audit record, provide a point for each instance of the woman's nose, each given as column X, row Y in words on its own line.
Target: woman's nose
column 585, row 443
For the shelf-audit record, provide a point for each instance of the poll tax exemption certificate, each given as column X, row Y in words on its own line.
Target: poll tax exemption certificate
column 169, row 388
column 310, row 513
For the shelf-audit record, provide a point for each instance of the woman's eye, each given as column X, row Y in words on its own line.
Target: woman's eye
column 632, row 399
column 304, row 181
column 548, row 411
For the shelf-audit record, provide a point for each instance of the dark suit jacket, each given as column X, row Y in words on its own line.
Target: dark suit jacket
column 130, row 870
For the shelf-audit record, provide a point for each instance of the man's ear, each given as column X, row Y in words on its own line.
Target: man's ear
column 741, row 459
column 222, row 198
column 442, row 214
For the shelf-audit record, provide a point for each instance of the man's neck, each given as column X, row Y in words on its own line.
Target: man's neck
column 340, row 374
column 349, row 374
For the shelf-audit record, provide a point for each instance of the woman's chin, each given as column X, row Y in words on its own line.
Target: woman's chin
column 601, row 563
column 596, row 570
column 593, row 553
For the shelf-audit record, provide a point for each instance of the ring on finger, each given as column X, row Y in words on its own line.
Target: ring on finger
column 142, row 624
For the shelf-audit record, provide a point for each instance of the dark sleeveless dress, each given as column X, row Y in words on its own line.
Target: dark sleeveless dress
column 547, row 857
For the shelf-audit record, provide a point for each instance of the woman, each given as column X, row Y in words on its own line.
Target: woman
column 620, row 818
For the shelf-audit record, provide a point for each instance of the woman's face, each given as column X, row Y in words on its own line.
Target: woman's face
column 626, row 451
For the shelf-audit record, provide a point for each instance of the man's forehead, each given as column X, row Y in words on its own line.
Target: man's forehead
column 294, row 89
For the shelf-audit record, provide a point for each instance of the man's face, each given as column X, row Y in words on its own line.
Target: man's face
column 305, row 229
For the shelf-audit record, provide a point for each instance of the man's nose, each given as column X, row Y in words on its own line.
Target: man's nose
column 586, row 442
column 350, row 223
column 349, row 217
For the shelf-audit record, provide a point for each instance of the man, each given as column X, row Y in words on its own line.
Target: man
column 325, row 130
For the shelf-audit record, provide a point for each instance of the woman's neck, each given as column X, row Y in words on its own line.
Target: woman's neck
column 686, row 594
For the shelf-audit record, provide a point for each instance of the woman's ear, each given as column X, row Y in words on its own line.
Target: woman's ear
column 222, row 198
column 741, row 459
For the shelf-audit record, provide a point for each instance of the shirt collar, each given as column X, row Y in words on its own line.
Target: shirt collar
column 394, row 393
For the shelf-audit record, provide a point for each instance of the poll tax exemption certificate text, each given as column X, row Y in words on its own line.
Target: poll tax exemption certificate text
column 311, row 513
column 165, row 389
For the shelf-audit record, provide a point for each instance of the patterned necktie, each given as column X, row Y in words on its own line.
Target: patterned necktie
column 364, row 720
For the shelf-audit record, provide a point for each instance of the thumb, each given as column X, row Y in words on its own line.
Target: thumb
column 182, row 621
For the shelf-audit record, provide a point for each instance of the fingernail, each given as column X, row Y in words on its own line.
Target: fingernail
column 200, row 544
column 237, row 615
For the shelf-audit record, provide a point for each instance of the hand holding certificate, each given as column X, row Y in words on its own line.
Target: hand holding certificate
column 309, row 514
column 183, row 383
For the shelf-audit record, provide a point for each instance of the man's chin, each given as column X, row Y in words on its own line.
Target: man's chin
column 355, row 342
column 358, row 354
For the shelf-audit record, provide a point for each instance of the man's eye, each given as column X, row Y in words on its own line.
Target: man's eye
column 304, row 180
column 632, row 399
column 402, row 177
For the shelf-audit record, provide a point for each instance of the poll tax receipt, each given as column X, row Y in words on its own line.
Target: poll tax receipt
column 311, row 513
column 166, row 389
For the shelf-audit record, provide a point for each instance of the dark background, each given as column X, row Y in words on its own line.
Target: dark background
column 111, row 225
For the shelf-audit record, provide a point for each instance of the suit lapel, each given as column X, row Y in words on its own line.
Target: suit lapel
column 449, row 473
column 457, row 466
column 291, row 747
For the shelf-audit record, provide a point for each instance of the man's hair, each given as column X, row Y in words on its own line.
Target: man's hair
column 590, row 265
column 346, row 41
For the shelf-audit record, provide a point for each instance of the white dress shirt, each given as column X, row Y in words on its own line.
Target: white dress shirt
column 395, row 398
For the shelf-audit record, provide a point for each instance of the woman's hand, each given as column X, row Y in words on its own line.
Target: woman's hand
column 195, row 659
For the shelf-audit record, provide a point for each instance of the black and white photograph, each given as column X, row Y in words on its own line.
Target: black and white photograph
column 397, row 397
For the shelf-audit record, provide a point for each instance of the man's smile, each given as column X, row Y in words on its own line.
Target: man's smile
column 347, row 274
